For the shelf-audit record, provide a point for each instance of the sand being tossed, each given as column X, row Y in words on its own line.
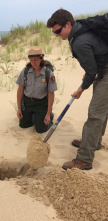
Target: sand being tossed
column 37, row 152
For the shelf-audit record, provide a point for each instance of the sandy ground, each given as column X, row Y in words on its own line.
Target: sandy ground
column 33, row 194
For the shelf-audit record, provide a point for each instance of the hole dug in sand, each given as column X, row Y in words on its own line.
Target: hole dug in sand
column 37, row 152
column 37, row 156
column 9, row 169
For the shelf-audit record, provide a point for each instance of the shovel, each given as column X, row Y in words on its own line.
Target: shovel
column 59, row 119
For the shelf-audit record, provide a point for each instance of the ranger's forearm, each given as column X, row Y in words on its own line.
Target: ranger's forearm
column 50, row 101
column 19, row 96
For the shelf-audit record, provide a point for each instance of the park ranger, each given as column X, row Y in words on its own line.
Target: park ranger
column 36, row 93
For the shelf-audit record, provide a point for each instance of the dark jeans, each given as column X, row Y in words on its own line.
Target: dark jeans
column 34, row 112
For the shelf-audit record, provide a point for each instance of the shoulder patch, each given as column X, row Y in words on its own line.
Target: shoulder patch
column 52, row 79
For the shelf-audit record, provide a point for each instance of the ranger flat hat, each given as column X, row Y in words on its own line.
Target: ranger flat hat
column 35, row 51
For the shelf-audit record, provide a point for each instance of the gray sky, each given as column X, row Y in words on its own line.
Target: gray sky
column 22, row 12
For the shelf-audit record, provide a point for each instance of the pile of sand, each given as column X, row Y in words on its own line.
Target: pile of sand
column 37, row 152
column 75, row 194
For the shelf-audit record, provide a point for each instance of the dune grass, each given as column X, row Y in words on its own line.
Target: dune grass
column 83, row 16
column 36, row 27
column 36, row 33
column 16, row 43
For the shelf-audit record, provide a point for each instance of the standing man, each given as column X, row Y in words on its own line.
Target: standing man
column 92, row 54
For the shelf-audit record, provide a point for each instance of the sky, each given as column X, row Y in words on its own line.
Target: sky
column 22, row 12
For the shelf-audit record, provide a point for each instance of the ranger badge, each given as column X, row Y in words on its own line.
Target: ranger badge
column 43, row 80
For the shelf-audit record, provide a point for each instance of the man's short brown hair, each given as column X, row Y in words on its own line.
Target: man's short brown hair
column 60, row 17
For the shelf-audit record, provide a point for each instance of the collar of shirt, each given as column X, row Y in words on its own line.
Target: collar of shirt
column 75, row 28
column 42, row 71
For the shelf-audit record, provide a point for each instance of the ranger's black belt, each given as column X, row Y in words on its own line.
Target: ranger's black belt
column 35, row 99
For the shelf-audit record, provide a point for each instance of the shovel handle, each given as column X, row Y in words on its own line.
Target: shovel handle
column 59, row 119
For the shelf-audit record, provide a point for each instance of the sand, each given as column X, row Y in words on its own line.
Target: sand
column 50, row 193
column 37, row 152
column 75, row 194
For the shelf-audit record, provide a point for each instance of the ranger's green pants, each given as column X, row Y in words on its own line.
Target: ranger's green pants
column 95, row 125
column 34, row 112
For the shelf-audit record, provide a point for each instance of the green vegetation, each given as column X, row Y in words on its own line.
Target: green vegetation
column 83, row 16
column 7, row 83
column 5, row 68
column 16, row 43
column 36, row 33
column 20, row 38
column 20, row 32
column 34, row 28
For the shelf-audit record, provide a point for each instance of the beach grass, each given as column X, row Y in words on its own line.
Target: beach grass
column 19, row 39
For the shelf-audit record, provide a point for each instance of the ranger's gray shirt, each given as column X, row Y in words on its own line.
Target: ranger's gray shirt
column 91, row 52
column 36, row 85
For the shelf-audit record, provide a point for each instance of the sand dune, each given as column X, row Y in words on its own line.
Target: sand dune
column 37, row 195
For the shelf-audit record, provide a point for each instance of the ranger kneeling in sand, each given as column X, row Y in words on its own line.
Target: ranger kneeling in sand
column 35, row 96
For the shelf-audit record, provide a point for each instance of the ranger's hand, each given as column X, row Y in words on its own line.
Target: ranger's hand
column 47, row 119
column 19, row 114
column 77, row 93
